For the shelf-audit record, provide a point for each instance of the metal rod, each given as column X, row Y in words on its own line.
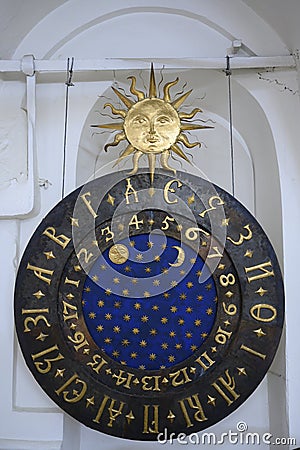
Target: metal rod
column 237, row 62
column 228, row 74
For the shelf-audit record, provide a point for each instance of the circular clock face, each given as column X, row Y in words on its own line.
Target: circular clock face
column 147, row 307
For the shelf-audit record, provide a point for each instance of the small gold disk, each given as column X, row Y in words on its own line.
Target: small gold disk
column 118, row 254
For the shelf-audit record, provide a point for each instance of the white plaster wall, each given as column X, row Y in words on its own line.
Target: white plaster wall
column 266, row 136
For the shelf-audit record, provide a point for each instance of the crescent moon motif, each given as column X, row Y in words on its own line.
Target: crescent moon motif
column 180, row 257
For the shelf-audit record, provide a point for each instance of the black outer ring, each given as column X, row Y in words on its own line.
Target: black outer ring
column 191, row 403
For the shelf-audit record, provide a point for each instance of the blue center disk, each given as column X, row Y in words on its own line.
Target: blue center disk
column 151, row 311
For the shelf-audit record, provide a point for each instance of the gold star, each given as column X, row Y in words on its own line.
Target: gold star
column 191, row 199
column 189, row 285
column 182, row 272
column 126, row 317
column 153, row 332
column 173, row 334
column 108, row 316
column 180, row 322
column 178, row 346
column 164, row 270
column 221, row 266
column 42, row 337
column 87, row 289
column 166, row 295
column 152, row 356
column 171, row 358
column 173, row 283
column 188, row 334
column 225, row 222
column 100, row 328
column 171, row 416
column 150, row 244
column 111, row 200
column 199, row 298
column 189, row 309
column 156, row 283
column 226, row 323
column 164, row 320
column 155, row 307
column 208, row 287
column 125, row 342
column 77, row 268
column 193, row 369
column 130, row 417
column 92, row 315
column 163, row 246
column 144, row 319
column 124, row 363
column 107, row 340
column 203, row 335
column 73, row 326
column 164, row 345
column 151, row 222
column 103, row 267
column 59, row 373
column 249, row 253
column 133, row 355
column 39, row 294
column 209, row 311
column 90, row 401
column 125, row 292
column 139, row 257
column 198, row 273
column 242, row 371
column 135, row 330
column 108, row 291
column 117, row 304
column 132, row 243
column 116, row 329
column 211, row 400
column 116, row 280
column 143, row 343
column 95, row 278
column 182, row 296
column 121, row 227
column 261, row 291
column 137, row 306
column 127, row 269
column 229, row 294
column 193, row 348
column 156, row 258
column 173, row 309
column 148, row 269
column 197, row 322
column 100, row 303
column 49, row 255
column 74, row 222
column 259, row 332
column 134, row 280
column 192, row 260
column 179, row 227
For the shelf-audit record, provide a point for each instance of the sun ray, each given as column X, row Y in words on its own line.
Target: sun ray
column 110, row 126
column 193, row 126
column 140, row 95
column 128, row 151
column 118, row 138
column 179, row 152
column 117, row 112
column 182, row 138
column 135, row 161
column 164, row 161
column 178, row 102
column 167, row 89
column 190, row 115
column 151, row 160
column 127, row 102
column 152, row 84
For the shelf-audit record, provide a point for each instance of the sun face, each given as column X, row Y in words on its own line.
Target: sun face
column 152, row 125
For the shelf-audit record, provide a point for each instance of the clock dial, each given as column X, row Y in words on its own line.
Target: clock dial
column 142, row 307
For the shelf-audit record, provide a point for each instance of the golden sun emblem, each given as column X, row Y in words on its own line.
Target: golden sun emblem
column 152, row 125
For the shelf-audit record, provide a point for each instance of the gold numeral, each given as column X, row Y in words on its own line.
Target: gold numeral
column 213, row 202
